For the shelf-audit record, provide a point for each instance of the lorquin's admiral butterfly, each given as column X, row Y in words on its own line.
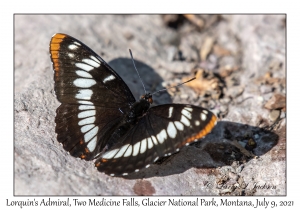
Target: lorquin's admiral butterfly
column 99, row 118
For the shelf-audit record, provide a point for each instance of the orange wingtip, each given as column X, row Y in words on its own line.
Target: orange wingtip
column 58, row 36
column 207, row 129
column 54, row 50
column 55, row 41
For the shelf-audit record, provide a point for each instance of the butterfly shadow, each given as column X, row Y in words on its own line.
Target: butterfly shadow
column 228, row 142
column 152, row 81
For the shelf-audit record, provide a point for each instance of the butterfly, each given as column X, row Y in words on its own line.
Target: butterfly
column 99, row 118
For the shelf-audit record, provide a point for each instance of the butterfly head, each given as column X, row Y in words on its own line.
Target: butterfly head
column 147, row 97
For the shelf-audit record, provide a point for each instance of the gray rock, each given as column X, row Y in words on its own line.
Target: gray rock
column 43, row 167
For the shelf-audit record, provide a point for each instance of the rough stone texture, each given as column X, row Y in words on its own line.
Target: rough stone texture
column 223, row 163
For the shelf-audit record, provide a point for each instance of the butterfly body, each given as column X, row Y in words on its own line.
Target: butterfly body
column 100, row 119
column 137, row 110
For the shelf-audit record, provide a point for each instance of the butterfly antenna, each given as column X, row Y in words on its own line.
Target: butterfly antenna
column 174, row 86
column 137, row 70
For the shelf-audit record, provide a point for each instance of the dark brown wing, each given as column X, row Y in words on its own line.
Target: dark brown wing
column 93, row 96
column 161, row 132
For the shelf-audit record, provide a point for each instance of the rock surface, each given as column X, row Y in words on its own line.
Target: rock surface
column 246, row 149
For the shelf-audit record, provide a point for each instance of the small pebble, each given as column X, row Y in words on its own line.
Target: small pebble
column 226, row 191
column 233, row 176
column 277, row 101
column 231, row 182
column 184, row 96
column 171, row 51
column 225, row 100
column 128, row 35
column 274, row 114
column 235, row 92
column 241, row 181
column 265, row 89
column 260, row 98
column 282, row 115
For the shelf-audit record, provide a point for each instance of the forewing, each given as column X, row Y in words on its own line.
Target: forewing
column 93, row 96
column 80, row 74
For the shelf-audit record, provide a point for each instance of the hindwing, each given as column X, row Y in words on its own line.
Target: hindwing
column 161, row 132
